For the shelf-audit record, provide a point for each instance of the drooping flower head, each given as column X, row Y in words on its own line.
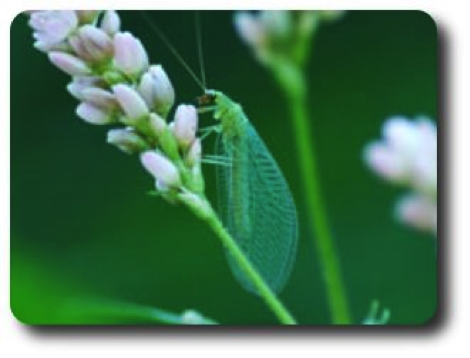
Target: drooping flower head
column 280, row 35
column 115, row 83
column 407, row 155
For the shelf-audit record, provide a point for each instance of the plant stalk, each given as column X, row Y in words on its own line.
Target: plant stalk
column 270, row 298
column 263, row 289
column 291, row 79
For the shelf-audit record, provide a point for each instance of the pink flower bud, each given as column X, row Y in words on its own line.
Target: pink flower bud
column 157, row 90
column 424, row 160
column 383, row 160
column 146, row 89
column 69, row 64
column 100, row 98
column 79, row 84
column 400, row 133
column 162, row 169
column 185, row 124
column 162, row 188
column 418, row 211
column 130, row 101
column 51, row 28
column 164, row 95
column 93, row 115
column 250, row 29
column 126, row 140
column 407, row 154
column 111, row 22
column 129, row 54
column 92, row 44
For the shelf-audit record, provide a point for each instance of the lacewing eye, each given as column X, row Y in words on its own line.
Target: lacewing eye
column 206, row 100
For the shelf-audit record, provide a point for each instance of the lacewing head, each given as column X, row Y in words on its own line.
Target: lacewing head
column 208, row 99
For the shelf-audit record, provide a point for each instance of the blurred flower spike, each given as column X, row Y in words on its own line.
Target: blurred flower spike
column 115, row 83
column 281, row 35
column 407, row 156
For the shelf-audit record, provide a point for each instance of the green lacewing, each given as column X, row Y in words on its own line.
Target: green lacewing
column 254, row 200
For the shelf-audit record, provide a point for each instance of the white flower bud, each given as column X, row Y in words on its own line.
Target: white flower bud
column 130, row 101
column 400, row 134
column 79, row 84
column 418, row 211
column 424, row 177
column 185, row 125
column 126, row 140
column 92, row 44
column 129, row 54
column 93, row 115
column 111, row 22
column 146, row 89
column 51, row 28
column 69, row 64
column 100, row 98
column 162, row 188
column 385, row 162
column 157, row 90
column 161, row 168
column 408, row 153
column 164, row 95
column 250, row 29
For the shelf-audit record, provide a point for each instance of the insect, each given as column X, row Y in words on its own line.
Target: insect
column 254, row 199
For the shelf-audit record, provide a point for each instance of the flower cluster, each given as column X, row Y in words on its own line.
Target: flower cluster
column 408, row 156
column 281, row 35
column 115, row 84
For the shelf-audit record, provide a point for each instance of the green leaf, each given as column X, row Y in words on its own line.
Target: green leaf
column 109, row 311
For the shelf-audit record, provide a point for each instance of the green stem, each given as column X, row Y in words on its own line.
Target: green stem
column 292, row 82
column 204, row 210
column 263, row 289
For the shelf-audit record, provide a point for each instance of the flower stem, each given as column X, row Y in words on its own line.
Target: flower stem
column 263, row 289
column 271, row 300
column 293, row 84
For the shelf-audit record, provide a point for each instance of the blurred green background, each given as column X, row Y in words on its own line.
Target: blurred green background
column 83, row 226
